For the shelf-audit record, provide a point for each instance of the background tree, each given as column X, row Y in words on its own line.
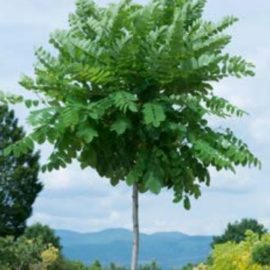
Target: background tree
column 44, row 233
column 25, row 254
column 236, row 232
column 19, row 184
column 261, row 254
column 129, row 92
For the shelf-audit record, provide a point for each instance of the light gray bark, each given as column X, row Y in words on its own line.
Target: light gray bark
column 135, row 219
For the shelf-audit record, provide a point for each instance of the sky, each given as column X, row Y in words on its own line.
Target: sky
column 82, row 201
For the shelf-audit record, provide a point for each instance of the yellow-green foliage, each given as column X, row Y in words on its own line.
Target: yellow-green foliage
column 233, row 256
column 49, row 256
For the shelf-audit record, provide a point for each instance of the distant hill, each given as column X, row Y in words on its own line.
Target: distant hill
column 169, row 249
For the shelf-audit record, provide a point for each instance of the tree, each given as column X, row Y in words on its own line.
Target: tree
column 43, row 232
column 23, row 254
column 236, row 232
column 129, row 93
column 19, row 184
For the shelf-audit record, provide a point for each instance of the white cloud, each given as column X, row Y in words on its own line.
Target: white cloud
column 226, row 181
column 58, row 180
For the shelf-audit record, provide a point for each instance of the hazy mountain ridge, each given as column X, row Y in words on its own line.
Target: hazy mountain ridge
column 169, row 249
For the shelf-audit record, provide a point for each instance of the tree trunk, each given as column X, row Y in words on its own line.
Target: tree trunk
column 135, row 219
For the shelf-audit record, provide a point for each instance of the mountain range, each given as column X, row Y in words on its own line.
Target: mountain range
column 168, row 249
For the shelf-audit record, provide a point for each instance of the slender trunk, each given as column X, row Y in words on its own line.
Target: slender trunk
column 135, row 219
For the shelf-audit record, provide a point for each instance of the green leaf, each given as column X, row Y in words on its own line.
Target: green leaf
column 29, row 143
column 35, row 103
column 41, row 117
column 114, row 182
column 69, row 117
column 87, row 133
column 120, row 125
column 28, row 103
column 125, row 101
column 27, row 82
column 8, row 150
column 187, row 204
column 153, row 184
column 153, row 114
column 132, row 177
column 39, row 136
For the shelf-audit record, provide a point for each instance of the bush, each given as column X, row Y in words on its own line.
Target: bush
column 251, row 254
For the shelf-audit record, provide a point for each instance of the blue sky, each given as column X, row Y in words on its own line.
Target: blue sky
column 81, row 200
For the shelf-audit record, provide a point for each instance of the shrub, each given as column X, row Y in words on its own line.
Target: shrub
column 241, row 256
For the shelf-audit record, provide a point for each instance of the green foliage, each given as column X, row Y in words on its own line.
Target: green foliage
column 19, row 184
column 261, row 254
column 129, row 92
column 21, row 252
column 25, row 254
column 44, row 233
column 236, row 232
